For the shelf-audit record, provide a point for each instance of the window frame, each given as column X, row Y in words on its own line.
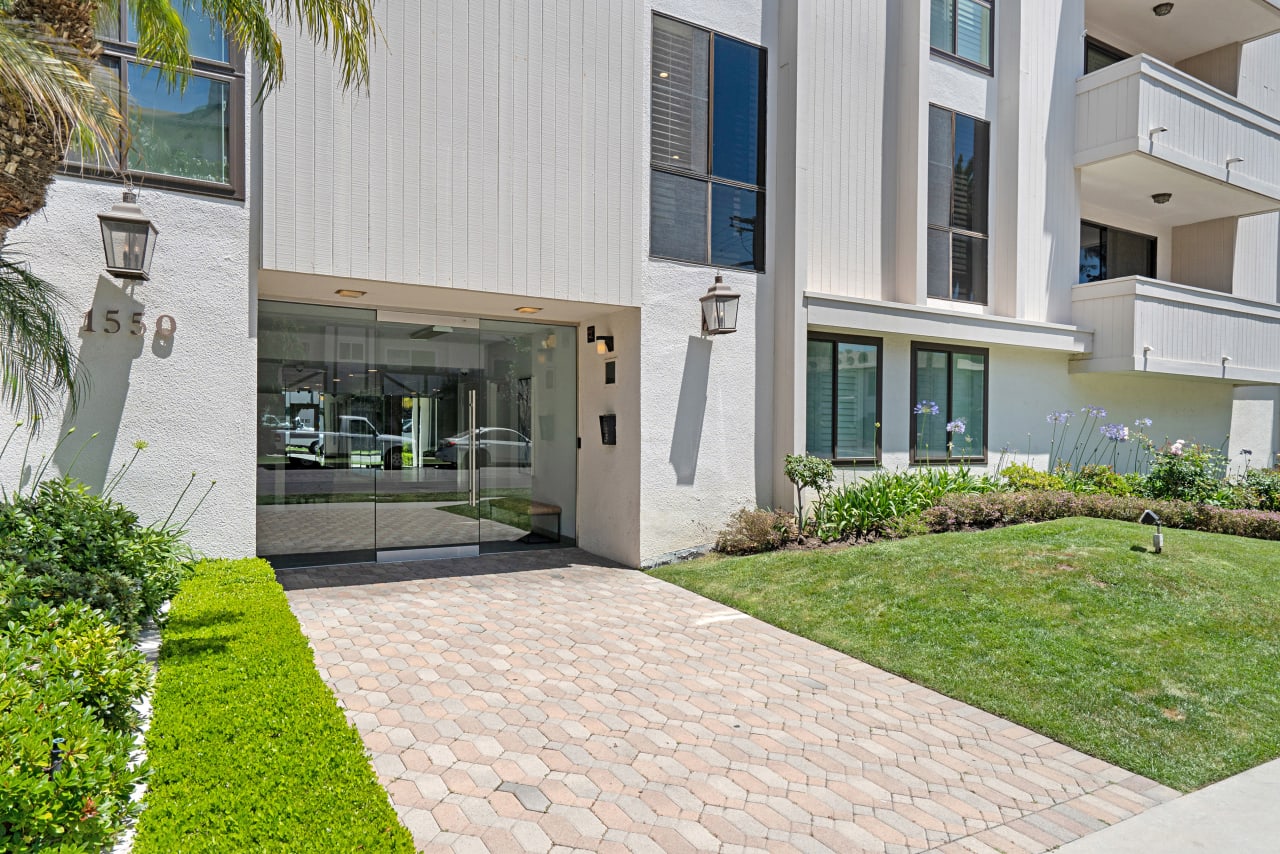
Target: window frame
column 951, row 55
column 1153, row 256
column 950, row 229
column 708, row 178
column 231, row 72
column 863, row 340
column 1114, row 53
column 948, row 416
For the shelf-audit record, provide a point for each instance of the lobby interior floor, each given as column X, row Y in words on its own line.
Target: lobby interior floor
column 545, row 701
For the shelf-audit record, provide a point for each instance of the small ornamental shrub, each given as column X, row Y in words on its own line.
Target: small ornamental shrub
column 750, row 531
column 1024, row 478
column 970, row 512
column 886, row 503
column 68, row 682
column 1097, row 478
column 1185, row 472
column 806, row 471
column 1263, row 486
column 75, row 546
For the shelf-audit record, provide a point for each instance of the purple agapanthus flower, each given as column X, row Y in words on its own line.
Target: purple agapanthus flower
column 1142, row 422
column 926, row 407
column 1115, row 432
column 1058, row 417
column 1094, row 411
column 956, row 426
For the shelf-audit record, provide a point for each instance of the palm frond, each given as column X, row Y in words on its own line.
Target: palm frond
column 346, row 28
column 38, row 361
column 56, row 80
column 163, row 38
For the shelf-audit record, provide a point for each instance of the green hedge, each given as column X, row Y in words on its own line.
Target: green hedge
column 249, row 751
column 975, row 512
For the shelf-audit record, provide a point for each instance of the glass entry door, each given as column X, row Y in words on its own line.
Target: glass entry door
column 427, row 496
column 392, row 440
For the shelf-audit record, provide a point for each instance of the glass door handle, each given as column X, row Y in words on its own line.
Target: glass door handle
column 473, row 488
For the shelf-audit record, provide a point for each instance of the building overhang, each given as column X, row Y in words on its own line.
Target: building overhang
column 1143, row 127
column 1147, row 326
column 399, row 296
column 1192, row 28
column 890, row 318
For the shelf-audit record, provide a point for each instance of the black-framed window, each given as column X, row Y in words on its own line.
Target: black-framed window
column 843, row 397
column 959, row 188
column 953, row 381
column 1113, row 253
column 962, row 29
column 1098, row 55
column 707, row 147
column 188, row 137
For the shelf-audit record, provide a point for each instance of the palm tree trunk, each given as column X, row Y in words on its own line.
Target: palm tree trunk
column 31, row 145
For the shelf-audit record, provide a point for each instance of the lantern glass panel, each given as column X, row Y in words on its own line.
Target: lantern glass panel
column 727, row 312
column 128, row 245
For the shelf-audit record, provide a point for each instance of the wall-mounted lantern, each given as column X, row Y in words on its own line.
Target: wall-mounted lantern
column 128, row 239
column 604, row 344
column 719, row 309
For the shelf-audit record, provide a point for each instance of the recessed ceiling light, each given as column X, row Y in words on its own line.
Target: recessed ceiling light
column 1162, row 198
column 675, row 157
column 1162, row 9
column 349, row 293
column 528, row 309
column 663, row 74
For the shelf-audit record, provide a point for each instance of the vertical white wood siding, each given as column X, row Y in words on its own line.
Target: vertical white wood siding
column 842, row 64
column 501, row 147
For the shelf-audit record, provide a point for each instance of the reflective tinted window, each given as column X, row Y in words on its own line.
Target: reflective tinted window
column 735, row 153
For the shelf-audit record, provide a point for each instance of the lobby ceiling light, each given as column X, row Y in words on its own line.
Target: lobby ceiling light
column 528, row 309
column 128, row 239
column 349, row 293
column 1162, row 9
column 1162, row 198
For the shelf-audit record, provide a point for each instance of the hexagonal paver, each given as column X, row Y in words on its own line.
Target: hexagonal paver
column 543, row 701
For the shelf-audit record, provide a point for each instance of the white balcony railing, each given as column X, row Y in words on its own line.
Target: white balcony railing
column 1139, row 114
column 1142, row 324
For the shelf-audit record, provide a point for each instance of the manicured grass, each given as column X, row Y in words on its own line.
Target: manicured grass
column 507, row 511
column 249, row 749
column 1168, row 665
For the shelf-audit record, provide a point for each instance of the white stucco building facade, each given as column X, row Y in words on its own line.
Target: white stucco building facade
column 390, row 342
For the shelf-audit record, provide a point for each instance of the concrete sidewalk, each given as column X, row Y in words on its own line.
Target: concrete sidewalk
column 1240, row 814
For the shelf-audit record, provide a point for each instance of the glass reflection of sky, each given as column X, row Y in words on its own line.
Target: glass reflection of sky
column 205, row 39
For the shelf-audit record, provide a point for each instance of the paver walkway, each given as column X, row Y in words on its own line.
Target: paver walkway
column 542, row 701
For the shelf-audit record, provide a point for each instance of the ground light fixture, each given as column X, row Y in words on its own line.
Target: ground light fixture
column 719, row 308
column 128, row 239
column 1149, row 517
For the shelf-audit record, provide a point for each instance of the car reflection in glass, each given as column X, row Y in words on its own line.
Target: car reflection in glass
column 495, row 446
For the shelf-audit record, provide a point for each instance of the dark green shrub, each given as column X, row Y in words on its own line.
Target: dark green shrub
column 66, row 674
column 969, row 512
column 77, row 546
column 1264, row 486
column 750, row 531
column 249, row 750
column 1024, row 478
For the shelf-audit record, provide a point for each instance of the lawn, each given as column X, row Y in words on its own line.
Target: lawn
column 249, row 749
column 1165, row 664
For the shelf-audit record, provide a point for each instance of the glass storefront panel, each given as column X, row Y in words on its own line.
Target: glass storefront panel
column 367, row 431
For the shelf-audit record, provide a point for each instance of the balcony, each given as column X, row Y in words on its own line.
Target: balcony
column 1192, row 28
column 1144, row 127
column 1145, row 325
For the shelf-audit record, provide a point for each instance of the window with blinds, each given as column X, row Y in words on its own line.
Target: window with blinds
column 954, row 381
column 959, row 190
column 842, row 398
column 961, row 29
column 707, row 147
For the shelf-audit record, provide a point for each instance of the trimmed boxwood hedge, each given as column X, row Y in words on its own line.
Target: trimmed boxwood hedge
column 975, row 512
column 248, row 749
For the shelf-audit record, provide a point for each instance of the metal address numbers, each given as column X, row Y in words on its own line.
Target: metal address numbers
column 111, row 323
